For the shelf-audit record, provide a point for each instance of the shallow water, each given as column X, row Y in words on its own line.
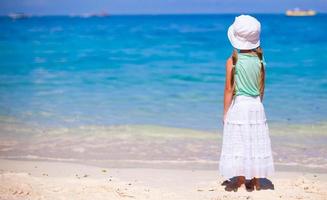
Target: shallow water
column 294, row 146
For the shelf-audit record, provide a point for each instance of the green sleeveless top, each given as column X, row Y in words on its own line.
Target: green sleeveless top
column 247, row 75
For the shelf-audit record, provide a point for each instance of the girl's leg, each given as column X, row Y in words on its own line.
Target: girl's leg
column 256, row 183
column 240, row 180
column 249, row 185
column 235, row 184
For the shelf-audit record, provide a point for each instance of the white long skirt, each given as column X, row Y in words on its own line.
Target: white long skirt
column 246, row 147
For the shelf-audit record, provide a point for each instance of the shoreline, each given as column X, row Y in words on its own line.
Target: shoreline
column 169, row 165
column 57, row 180
column 295, row 148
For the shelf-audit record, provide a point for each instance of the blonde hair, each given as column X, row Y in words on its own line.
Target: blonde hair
column 259, row 52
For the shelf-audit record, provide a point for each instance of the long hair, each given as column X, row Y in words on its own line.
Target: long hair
column 234, row 59
column 259, row 53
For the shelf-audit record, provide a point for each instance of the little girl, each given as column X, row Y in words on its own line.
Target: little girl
column 246, row 148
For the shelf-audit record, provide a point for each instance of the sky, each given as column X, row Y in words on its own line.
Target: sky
column 65, row 7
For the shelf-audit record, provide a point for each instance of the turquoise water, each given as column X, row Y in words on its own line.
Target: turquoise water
column 159, row 70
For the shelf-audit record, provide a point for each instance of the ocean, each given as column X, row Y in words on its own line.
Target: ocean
column 63, row 73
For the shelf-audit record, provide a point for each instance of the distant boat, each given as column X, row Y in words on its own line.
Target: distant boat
column 15, row 16
column 101, row 14
column 300, row 13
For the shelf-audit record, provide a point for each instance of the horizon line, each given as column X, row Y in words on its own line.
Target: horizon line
column 145, row 14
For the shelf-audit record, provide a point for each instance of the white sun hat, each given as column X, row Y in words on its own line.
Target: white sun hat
column 244, row 33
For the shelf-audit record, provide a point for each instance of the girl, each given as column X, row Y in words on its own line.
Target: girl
column 246, row 148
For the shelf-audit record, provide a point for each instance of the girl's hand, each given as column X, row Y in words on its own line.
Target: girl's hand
column 224, row 118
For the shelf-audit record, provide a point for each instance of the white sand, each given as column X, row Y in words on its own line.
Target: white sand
column 53, row 180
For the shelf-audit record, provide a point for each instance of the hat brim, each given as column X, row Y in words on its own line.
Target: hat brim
column 238, row 44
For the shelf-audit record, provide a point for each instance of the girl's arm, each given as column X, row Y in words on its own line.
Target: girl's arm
column 262, row 92
column 229, row 89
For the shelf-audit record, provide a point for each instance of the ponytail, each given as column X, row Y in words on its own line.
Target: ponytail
column 234, row 59
column 262, row 70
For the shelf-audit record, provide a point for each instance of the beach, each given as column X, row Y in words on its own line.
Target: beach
column 149, row 162
column 56, row 180
column 130, row 107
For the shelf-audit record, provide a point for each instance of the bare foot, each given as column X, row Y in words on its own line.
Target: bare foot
column 240, row 180
column 234, row 185
column 257, row 183
column 249, row 185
